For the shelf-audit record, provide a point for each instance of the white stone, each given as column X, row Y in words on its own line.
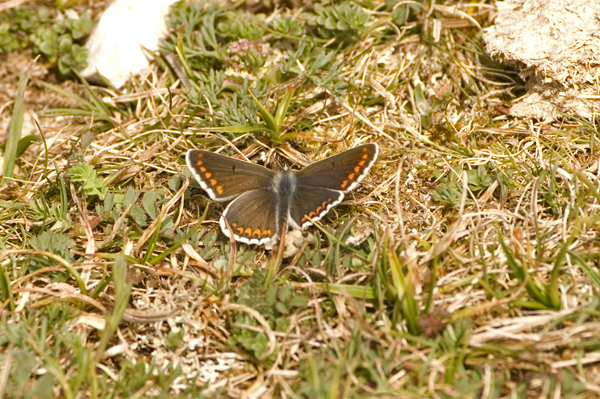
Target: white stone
column 116, row 45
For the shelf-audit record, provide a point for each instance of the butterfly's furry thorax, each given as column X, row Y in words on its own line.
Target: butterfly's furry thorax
column 284, row 185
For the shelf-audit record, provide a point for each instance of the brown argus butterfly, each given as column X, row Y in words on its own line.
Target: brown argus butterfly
column 263, row 199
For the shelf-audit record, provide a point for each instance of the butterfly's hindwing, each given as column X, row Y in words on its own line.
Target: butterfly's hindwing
column 310, row 204
column 252, row 217
column 223, row 177
column 340, row 172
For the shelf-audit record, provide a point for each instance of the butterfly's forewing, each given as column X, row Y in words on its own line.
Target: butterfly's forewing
column 252, row 217
column 340, row 172
column 310, row 204
column 223, row 177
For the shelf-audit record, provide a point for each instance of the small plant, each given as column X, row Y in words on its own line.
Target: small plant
column 287, row 27
column 276, row 305
column 401, row 12
column 319, row 66
column 450, row 191
column 45, row 213
column 86, row 175
column 246, row 56
column 18, row 24
column 207, row 88
column 242, row 26
column 30, row 337
column 57, row 41
column 194, row 36
column 57, row 243
column 8, row 40
column 339, row 19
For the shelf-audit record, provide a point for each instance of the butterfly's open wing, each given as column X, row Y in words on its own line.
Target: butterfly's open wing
column 223, row 177
column 322, row 185
column 340, row 172
column 252, row 217
column 310, row 204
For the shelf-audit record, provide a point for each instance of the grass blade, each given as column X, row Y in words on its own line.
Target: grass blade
column 16, row 126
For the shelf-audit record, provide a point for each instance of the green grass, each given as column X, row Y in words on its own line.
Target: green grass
column 465, row 266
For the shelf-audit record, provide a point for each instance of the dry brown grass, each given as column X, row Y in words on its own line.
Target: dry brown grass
column 517, row 320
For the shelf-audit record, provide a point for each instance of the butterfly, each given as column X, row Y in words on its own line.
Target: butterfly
column 264, row 199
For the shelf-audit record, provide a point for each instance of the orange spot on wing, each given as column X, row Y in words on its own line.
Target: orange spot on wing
column 319, row 209
column 257, row 232
column 361, row 163
column 202, row 168
column 324, row 204
column 234, row 225
column 248, row 231
column 267, row 232
column 199, row 162
column 240, row 229
column 366, row 156
column 220, row 189
column 208, row 175
column 213, row 182
column 357, row 169
column 311, row 214
column 351, row 176
column 344, row 184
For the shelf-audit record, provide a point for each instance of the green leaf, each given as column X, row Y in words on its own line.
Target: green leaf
column 65, row 43
column 79, row 55
column 174, row 183
column 400, row 14
column 5, row 288
column 423, row 106
column 47, row 47
column 122, row 294
column 271, row 295
column 130, row 197
column 109, row 201
column 298, row 301
column 56, row 243
column 285, row 293
column 25, row 142
column 15, row 128
column 174, row 339
column 138, row 214
column 149, row 203
column 64, row 64
column 281, row 308
column 266, row 114
column 86, row 139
